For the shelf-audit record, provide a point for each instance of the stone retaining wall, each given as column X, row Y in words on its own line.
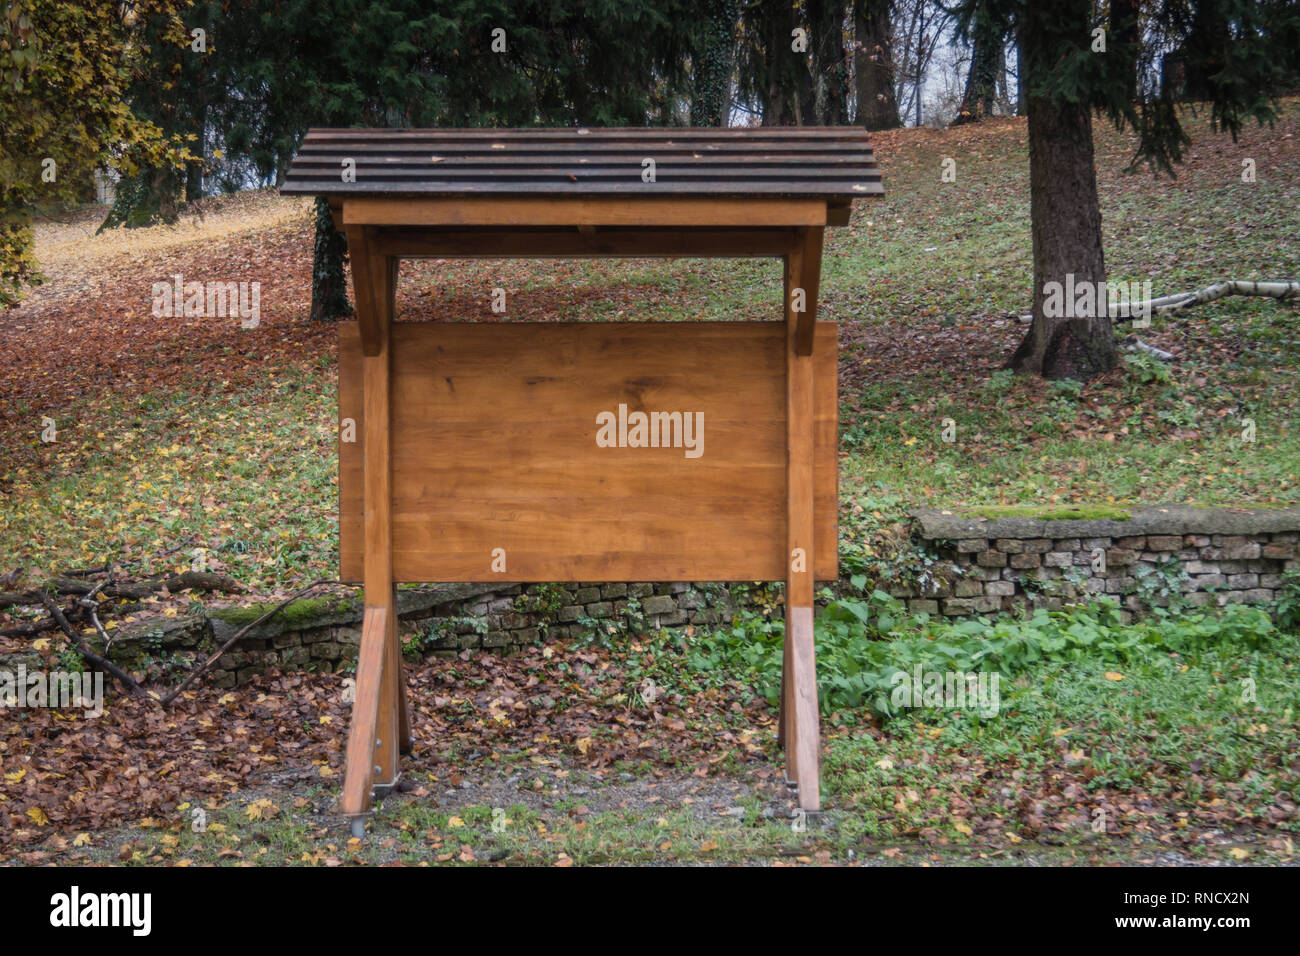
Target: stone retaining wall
column 324, row 634
column 1149, row 557
column 1153, row 557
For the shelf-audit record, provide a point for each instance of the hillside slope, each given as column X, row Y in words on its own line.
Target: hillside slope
column 175, row 427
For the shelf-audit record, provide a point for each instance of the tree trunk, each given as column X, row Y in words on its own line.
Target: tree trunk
column 986, row 56
column 1021, row 106
column 827, row 77
column 805, row 99
column 1126, row 39
column 873, row 65
column 782, row 65
column 1066, row 221
column 711, row 66
column 329, row 288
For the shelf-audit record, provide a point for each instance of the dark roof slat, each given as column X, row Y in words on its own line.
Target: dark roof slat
column 834, row 163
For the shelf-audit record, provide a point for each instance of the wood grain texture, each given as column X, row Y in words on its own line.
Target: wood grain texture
column 582, row 241
column 810, row 277
column 363, row 289
column 378, row 522
column 582, row 211
column 359, row 774
column 804, row 742
column 493, row 446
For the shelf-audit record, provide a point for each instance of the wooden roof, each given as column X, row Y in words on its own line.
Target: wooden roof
column 831, row 163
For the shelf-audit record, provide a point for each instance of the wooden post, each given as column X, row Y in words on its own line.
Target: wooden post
column 380, row 723
column 800, row 722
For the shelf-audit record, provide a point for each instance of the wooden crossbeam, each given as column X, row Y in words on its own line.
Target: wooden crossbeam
column 582, row 242
column 590, row 211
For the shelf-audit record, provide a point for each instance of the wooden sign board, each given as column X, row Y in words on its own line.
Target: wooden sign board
column 589, row 452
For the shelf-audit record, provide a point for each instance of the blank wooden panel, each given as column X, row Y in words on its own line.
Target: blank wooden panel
column 494, row 446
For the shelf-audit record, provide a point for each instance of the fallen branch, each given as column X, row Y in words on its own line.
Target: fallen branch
column 33, row 627
column 1135, row 344
column 194, row 580
column 1166, row 304
column 126, row 680
column 203, row 667
column 1185, row 300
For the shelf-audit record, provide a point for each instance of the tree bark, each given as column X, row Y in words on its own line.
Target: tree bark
column 873, row 65
column 782, row 65
column 827, row 78
column 329, row 288
column 1066, row 219
column 986, row 59
column 711, row 65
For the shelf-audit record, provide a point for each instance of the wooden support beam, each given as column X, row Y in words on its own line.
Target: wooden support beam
column 363, row 289
column 378, row 511
column 380, row 726
column 800, row 719
column 360, row 773
column 810, row 272
column 494, row 243
column 590, row 211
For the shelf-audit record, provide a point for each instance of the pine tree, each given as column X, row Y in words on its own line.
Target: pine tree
column 1236, row 56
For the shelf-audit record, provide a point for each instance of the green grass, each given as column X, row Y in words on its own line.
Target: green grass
column 249, row 479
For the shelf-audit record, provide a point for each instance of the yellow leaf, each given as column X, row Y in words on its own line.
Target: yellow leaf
column 16, row 776
column 326, row 719
column 41, row 644
column 81, row 839
column 455, row 822
column 1237, row 853
column 584, row 744
column 38, row 816
column 963, row 828
column 709, row 846
column 1114, row 675
column 261, row 810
